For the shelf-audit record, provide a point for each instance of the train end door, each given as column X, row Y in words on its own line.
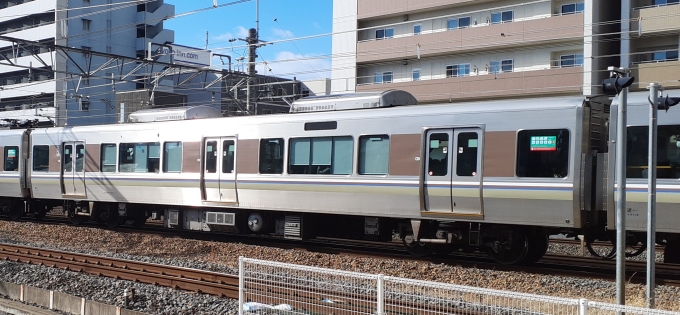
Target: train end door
column 73, row 169
column 219, row 170
column 453, row 171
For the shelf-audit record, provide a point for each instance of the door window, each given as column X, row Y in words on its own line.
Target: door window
column 68, row 158
column 228, row 150
column 438, row 154
column 80, row 157
column 211, row 157
column 466, row 158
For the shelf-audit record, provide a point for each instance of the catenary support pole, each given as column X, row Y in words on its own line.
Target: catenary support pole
column 651, row 197
column 621, row 198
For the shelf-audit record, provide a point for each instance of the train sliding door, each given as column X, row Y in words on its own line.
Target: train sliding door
column 73, row 169
column 453, row 179
column 219, row 169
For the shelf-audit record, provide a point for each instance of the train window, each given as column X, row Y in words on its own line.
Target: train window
column 324, row 155
column 11, row 159
column 271, row 156
column 41, row 158
column 438, row 162
column 543, row 153
column 228, row 150
column 80, row 157
column 172, row 157
column 139, row 157
column 466, row 158
column 67, row 165
column 667, row 156
column 211, row 157
column 108, row 158
column 374, row 155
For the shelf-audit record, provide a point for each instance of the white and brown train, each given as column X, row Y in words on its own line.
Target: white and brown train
column 499, row 176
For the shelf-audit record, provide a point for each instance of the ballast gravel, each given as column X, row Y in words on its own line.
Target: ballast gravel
column 223, row 257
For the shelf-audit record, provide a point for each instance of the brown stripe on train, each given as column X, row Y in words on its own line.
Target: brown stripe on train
column 92, row 157
column 499, row 153
column 247, row 156
column 191, row 157
column 404, row 149
column 55, row 159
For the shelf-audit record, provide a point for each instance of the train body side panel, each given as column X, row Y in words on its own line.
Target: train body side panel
column 546, row 201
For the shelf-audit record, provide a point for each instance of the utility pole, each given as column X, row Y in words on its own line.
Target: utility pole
column 252, row 41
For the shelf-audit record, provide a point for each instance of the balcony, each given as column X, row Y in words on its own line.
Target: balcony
column 163, row 37
column 374, row 8
column 501, row 85
column 27, row 8
column 164, row 12
column 39, row 33
column 531, row 32
column 664, row 73
column 656, row 20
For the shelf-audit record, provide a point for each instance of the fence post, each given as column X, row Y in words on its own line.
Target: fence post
column 583, row 307
column 381, row 295
column 241, row 285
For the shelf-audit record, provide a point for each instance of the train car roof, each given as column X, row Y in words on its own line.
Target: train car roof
column 512, row 105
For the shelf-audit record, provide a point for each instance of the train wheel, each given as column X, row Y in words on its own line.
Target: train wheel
column 510, row 247
column 113, row 219
column 416, row 248
column 77, row 219
column 15, row 211
column 538, row 246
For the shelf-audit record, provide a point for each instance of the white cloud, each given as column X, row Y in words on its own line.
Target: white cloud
column 282, row 34
column 289, row 64
column 238, row 32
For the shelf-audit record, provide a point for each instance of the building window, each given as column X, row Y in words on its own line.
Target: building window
column 668, row 55
column 84, row 106
column 461, row 70
column 498, row 66
column 501, row 17
column 543, row 153
column 384, row 33
column 382, row 77
column 108, row 158
column 86, row 24
column 573, row 8
column 11, row 159
column 374, row 155
column 41, row 158
column 271, row 156
column 416, row 29
column 572, row 60
column 415, row 75
column 453, row 24
column 666, row 2
column 327, row 155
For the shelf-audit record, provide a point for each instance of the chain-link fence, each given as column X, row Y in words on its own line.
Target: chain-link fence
column 276, row 288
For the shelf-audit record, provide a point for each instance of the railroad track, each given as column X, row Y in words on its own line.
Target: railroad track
column 168, row 276
column 551, row 264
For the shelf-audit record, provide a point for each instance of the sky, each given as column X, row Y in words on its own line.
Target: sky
column 280, row 20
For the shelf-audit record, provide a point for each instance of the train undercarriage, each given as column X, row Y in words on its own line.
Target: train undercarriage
column 506, row 244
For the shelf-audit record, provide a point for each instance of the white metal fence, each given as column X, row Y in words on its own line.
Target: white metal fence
column 276, row 288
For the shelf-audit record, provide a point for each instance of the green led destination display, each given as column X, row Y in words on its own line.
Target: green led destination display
column 543, row 143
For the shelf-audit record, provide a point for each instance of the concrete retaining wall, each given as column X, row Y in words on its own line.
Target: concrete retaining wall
column 60, row 301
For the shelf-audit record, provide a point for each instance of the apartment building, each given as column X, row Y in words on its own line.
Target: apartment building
column 117, row 27
column 457, row 50
column 653, row 43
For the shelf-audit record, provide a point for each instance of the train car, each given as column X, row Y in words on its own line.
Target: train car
column 668, row 173
column 13, row 185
